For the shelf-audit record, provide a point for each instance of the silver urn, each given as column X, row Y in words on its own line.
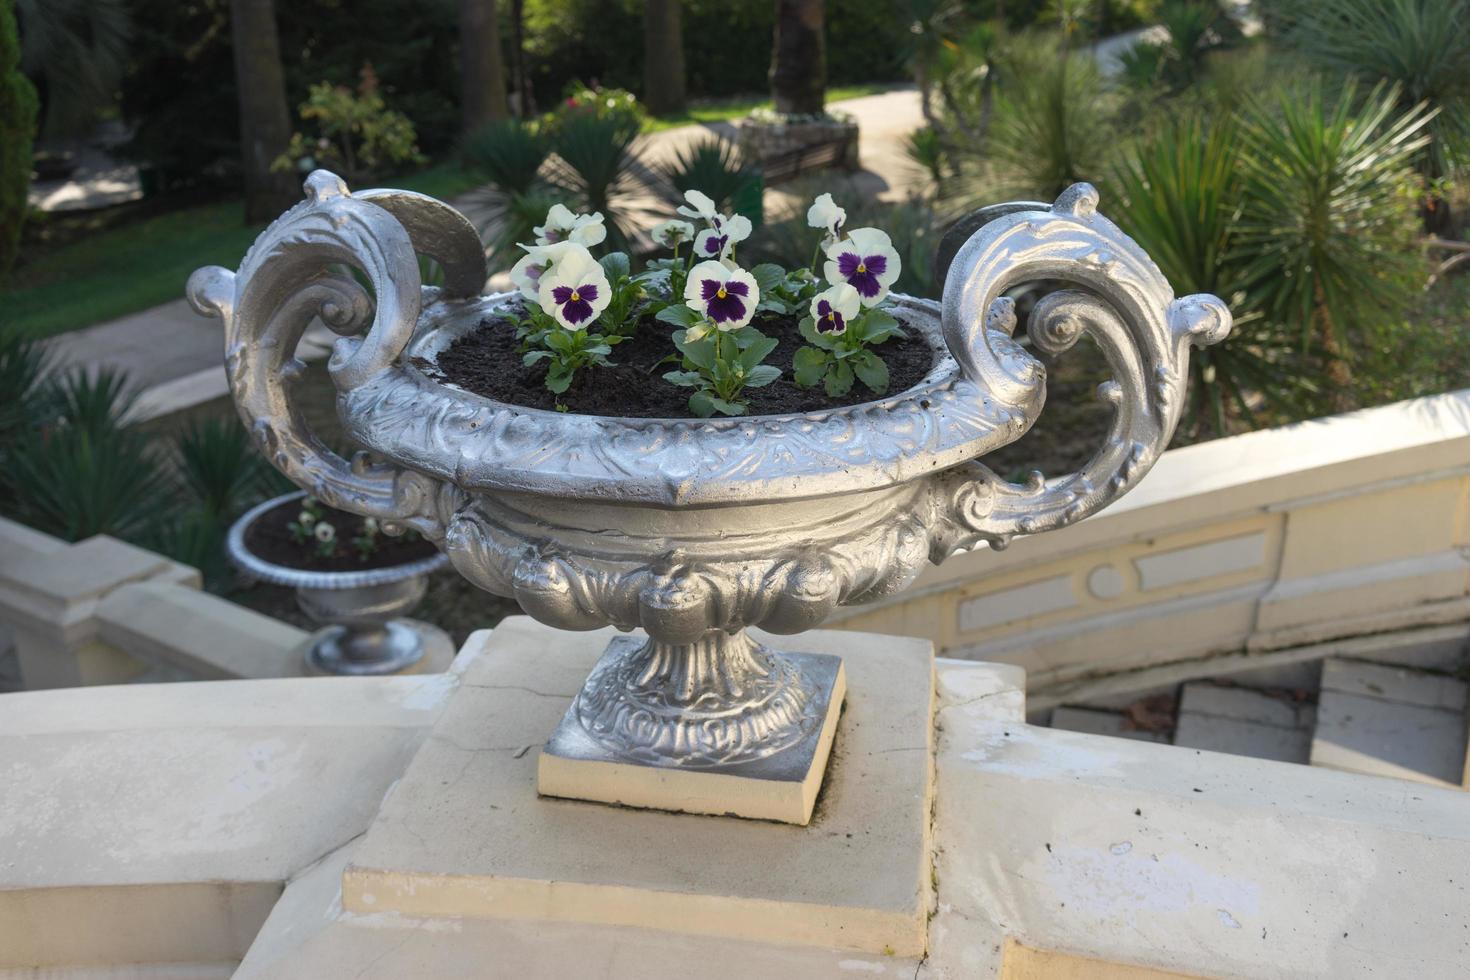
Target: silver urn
column 361, row 610
column 692, row 530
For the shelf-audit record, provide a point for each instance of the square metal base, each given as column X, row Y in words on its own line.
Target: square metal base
column 781, row 787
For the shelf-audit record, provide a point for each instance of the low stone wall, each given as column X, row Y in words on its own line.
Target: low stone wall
column 1333, row 528
column 102, row 611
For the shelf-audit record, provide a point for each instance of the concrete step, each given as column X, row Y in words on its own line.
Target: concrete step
column 1244, row 721
column 1395, row 721
column 1094, row 721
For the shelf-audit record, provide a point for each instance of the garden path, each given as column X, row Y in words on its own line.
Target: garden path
column 174, row 356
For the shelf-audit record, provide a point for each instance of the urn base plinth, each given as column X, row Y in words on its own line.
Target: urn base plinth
column 721, row 726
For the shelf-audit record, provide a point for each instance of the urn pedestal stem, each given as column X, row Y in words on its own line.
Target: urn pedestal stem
column 655, row 721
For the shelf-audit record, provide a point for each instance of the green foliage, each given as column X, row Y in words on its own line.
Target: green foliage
column 1052, row 126
column 1329, row 220
column 924, row 147
column 1423, row 46
column 593, row 166
column 1179, row 193
column 718, row 364
column 600, row 103
column 220, row 470
column 835, row 359
column 713, row 165
column 568, row 40
column 508, row 153
column 80, row 49
column 566, row 352
column 24, row 366
column 356, row 134
column 82, row 473
column 17, row 129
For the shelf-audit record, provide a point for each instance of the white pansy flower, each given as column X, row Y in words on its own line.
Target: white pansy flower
column 865, row 260
column 725, row 232
column 834, row 308
column 562, row 225
column 575, row 290
column 325, row 532
column 700, row 206
column 527, row 273
column 825, row 214
column 672, row 234
column 306, row 518
column 727, row 296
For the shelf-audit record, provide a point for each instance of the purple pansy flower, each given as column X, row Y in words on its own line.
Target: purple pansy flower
column 833, row 308
column 526, row 274
column 726, row 296
column 865, row 260
column 575, row 290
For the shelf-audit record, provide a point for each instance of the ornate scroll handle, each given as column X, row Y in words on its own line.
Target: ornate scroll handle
column 289, row 276
column 1126, row 306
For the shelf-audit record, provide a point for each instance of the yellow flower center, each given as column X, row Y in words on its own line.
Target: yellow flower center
column 575, row 296
column 862, row 268
column 721, row 293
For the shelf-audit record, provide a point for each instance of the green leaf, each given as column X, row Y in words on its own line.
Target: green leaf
column 679, row 316
column 558, row 379
column 768, row 275
column 876, row 326
column 700, row 353
column 761, row 375
column 616, row 265
column 871, row 371
column 701, row 403
column 808, row 328
column 839, row 379
column 535, row 356
column 684, row 379
column 757, row 352
column 809, row 365
column 559, row 340
column 727, row 407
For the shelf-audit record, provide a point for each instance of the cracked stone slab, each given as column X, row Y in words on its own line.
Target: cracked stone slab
column 465, row 835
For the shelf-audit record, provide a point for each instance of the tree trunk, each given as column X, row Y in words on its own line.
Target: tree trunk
column 265, row 122
column 481, row 78
column 799, row 58
column 663, row 57
column 525, row 101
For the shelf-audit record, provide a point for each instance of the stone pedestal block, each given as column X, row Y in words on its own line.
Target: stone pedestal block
column 465, row 834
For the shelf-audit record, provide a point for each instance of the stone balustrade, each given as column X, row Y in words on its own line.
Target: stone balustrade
column 1229, row 555
column 102, row 611
column 207, row 830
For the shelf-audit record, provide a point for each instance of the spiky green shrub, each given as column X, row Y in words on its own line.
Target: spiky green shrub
column 713, row 166
column 1422, row 46
column 17, row 129
column 1179, row 192
column 594, row 165
column 1329, row 220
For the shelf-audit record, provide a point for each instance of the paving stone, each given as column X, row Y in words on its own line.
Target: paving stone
column 1237, row 737
column 1240, row 704
column 1095, row 722
column 1391, row 721
column 1392, row 683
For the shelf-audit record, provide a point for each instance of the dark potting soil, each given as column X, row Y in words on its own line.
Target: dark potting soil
column 486, row 361
column 269, row 537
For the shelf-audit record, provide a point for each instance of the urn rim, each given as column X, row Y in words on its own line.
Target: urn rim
column 273, row 573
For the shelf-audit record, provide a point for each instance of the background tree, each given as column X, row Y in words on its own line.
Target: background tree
column 799, row 58
column 663, row 57
column 17, row 128
column 482, row 79
column 265, row 122
column 77, row 50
